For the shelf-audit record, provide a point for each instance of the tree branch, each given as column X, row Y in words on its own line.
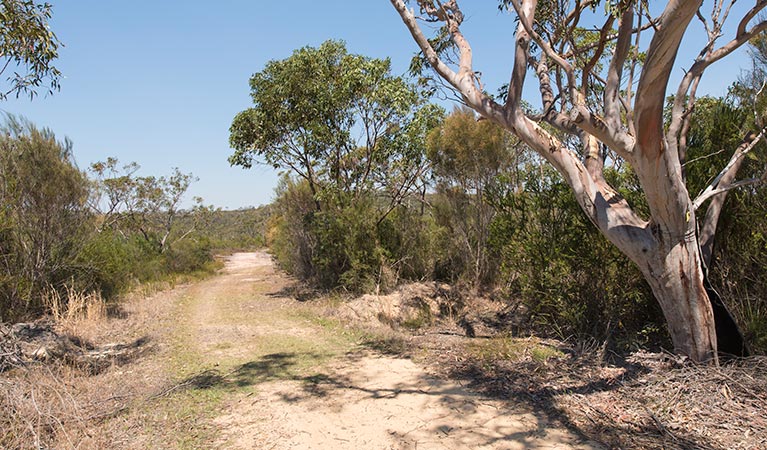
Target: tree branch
column 464, row 81
column 657, row 69
column 735, row 185
column 600, row 49
column 615, row 71
column 727, row 174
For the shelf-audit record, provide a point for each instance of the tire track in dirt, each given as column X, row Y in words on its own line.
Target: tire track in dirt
column 298, row 385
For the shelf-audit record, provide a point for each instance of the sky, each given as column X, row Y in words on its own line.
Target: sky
column 159, row 82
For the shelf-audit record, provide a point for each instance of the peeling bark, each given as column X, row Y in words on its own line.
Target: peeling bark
column 675, row 276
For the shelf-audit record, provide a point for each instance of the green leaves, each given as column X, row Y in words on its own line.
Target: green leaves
column 27, row 47
column 43, row 213
column 147, row 206
column 340, row 121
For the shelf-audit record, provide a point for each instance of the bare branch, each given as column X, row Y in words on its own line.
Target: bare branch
column 743, row 36
column 573, row 17
column 615, row 71
column 730, row 170
column 618, row 141
column 735, row 185
column 550, row 113
column 687, row 121
column 749, row 16
column 521, row 56
column 660, row 59
column 630, row 82
column 609, row 38
column 600, row 49
column 464, row 81
column 679, row 125
column 408, row 17
column 710, row 155
column 525, row 13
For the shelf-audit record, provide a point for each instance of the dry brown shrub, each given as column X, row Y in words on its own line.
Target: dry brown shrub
column 75, row 311
column 58, row 405
column 48, row 406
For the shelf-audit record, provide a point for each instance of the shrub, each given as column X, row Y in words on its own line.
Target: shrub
column 43, row 216
column 349, row 245
column 569, row 289
column 189, row 255
column 739, row 261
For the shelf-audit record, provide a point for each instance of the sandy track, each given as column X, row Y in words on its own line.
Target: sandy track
column 354, row 400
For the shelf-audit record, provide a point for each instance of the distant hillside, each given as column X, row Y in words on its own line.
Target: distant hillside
column 238, row 229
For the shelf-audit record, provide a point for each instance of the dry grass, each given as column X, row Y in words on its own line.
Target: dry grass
column 48, row 406
column 57, row 405
column 512, row 349
column 75, row 311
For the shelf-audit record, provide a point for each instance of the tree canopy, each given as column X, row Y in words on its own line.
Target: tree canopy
column 342, row 122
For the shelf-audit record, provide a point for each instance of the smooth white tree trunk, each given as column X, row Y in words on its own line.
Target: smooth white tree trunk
column 634, row 126
column 675, row 276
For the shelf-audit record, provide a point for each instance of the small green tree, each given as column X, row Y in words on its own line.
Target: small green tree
column 354, row 136
column 27, row 48
column 339, row 121
column 466, row 157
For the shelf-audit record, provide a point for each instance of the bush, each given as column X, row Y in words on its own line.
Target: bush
column 739, row 261
column 413, row 242
column 110, row 262
column 44, row 219
column 288, row 235
column 49, row 243
column 348, row 245
column 189, row 255
column 571, row 279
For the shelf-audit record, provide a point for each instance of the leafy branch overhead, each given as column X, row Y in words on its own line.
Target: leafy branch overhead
column 28, row 48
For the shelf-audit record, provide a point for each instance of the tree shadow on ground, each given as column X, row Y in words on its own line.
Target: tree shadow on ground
column 297, row 291
column 465, row 417
column 542, row 385
column 274, row 366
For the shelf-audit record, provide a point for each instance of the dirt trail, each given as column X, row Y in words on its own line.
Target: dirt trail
column 298, row 384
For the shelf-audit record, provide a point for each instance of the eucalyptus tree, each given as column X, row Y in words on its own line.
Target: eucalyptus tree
column 605, row 87
column 340, row 121
column 27, row 48
column 146, row 205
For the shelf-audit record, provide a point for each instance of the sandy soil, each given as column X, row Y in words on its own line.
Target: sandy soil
column 358, row 400
column 375, row 402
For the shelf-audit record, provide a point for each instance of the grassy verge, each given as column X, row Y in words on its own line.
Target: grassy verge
column 216, row 356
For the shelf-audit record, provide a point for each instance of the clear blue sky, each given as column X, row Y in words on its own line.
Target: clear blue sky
column 158, row 82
